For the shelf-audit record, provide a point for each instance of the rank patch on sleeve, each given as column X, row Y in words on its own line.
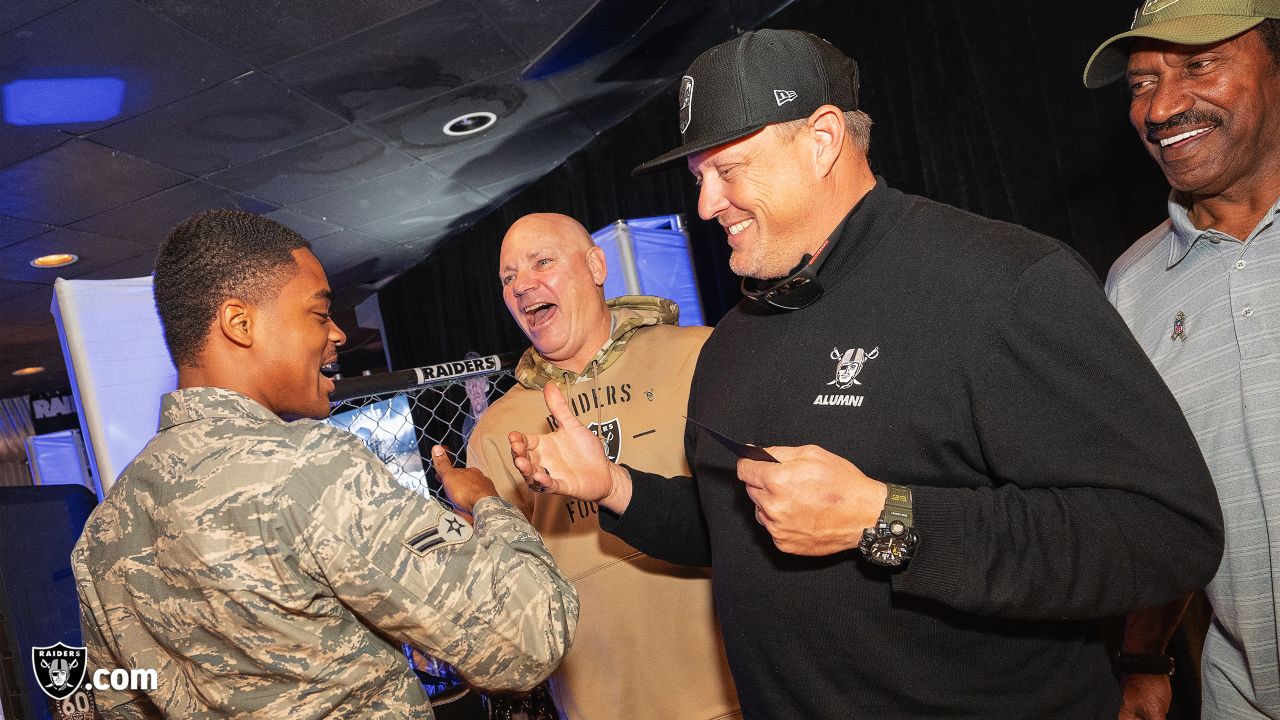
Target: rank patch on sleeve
column 450, row 529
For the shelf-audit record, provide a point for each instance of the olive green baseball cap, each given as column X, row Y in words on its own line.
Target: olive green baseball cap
column 1186, row 22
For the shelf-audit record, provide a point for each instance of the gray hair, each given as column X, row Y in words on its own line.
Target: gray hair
column 857, row 125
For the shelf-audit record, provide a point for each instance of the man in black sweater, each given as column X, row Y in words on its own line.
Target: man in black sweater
column 975, row 462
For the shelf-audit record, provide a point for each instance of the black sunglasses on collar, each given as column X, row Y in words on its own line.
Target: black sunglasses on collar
column 799, row 289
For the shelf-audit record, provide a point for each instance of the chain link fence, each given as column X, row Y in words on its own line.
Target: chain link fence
column 400, row 415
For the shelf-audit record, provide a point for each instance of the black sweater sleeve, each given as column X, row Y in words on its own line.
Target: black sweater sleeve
column 1100, row 500
column 664, row 520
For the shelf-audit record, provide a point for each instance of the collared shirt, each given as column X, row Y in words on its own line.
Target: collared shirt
column 264, row 569
column 1206, row 308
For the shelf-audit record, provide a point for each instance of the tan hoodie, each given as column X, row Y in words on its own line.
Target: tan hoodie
column 647, row 646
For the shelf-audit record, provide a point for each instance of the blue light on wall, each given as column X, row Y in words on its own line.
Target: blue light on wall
column 60, row 101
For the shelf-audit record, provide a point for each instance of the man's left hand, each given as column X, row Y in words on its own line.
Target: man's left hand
column 811, row 501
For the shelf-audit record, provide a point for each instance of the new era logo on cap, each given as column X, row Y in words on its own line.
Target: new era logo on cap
column 738, row 89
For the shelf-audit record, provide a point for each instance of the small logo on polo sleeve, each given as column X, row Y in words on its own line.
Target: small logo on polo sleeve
column 450, row 529
column 1178, row 332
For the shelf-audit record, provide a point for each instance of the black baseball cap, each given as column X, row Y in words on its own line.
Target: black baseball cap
column 758, row 78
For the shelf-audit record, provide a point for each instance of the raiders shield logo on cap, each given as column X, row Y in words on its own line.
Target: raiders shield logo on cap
column 686, row 102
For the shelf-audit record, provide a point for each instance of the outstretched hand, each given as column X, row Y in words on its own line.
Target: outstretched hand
column 464, row 486
column 570, row 460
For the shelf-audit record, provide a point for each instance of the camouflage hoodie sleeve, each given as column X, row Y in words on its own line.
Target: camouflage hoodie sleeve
column 488, row 600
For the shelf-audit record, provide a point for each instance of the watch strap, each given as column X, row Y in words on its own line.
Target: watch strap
column 897, row 506
column 1136, row 664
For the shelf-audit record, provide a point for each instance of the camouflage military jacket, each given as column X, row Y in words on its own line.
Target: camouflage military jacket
column 267, row 569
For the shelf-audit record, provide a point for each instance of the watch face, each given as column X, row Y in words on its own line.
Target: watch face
column 883, row 546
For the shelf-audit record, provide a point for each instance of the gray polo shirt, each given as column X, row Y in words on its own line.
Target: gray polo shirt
column 1206, row 308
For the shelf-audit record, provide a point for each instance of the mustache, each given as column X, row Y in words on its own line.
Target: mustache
column 1181, row 120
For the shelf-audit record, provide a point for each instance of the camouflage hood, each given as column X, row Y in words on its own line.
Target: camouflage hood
column 630, row 313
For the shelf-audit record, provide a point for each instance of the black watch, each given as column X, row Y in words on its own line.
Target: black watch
column 1134, row 664
column 892, row 540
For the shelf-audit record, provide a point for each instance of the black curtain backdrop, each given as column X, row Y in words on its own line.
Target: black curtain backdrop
column 976, row 104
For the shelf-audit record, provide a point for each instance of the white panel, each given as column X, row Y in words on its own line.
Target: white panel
column 57, row 458
column 119, row 366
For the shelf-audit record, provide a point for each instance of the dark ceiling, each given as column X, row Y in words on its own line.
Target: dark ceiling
column 326, row 115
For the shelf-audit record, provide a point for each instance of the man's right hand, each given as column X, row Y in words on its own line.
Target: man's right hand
column 571, row 460
column 1146, row 697
column 464, row 486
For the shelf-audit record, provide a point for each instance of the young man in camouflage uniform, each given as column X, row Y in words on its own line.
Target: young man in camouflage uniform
column 269, row 569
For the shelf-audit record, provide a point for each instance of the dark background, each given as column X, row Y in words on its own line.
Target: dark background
column 979, row 105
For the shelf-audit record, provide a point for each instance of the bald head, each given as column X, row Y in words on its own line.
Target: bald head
column 552, row 277
column 561, row 228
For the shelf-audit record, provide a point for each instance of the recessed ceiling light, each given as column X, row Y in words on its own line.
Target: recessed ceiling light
column 28, row 371
column 56, row 260
column 470, row 123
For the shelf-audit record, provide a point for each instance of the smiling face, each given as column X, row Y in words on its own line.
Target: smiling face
column 1209, row 115
column 294, row 336
column 758, row 189
column 552, row 282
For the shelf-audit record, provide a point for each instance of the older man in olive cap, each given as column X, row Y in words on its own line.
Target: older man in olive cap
column 1201, row 293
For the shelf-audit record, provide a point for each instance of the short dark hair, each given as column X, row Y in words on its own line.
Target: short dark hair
column 1269, row 29
column 210, row 258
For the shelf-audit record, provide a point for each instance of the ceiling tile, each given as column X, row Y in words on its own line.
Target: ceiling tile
column 14, row 14
column 272, row 30
column 150, row 220
column 158, row 61
column 29, row 308
column 21, row 142
column 237, row 121
column 419, row 130
column 13, row 288
column 95, row 252
column 135, row 267
column 311, row 228
column 420, row 55
column 429, row 221
column 382, row 197
column 540, row 147
column 335, row 161
column 533, row 26
column 76, row 180
column 392, row 261
column 507, row 187
column 343, row 250
column 13, row 229
column 602, row 110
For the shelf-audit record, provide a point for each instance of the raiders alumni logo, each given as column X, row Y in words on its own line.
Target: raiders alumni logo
column 849, row 364
column 686, row 102
column 59, row 669
column 610, row 434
